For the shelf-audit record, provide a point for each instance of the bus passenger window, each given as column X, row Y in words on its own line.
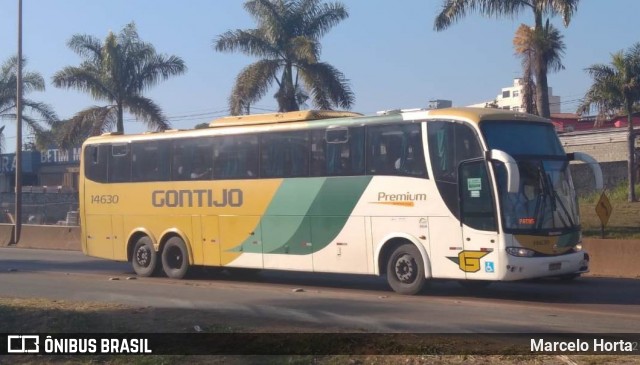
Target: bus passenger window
column 192, row 159
column 149, row 161
column 346, row 157
column 120, row 163
column 236, row 157
column 449, row 144
column 284, row 154
column 395, row 150
column 95, row 157
column 318, row 159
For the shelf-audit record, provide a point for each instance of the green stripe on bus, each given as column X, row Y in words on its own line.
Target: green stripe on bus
column 327, row 203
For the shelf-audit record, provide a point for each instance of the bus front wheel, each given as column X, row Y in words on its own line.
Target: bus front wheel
column 405, row 270
column 144, row 259
column 175, row 259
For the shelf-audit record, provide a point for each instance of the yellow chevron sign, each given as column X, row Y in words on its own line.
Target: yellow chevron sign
column 604, row 209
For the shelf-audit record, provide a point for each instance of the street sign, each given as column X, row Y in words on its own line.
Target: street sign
column 604, row 209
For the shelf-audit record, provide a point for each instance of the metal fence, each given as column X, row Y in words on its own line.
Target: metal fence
column 42, row 208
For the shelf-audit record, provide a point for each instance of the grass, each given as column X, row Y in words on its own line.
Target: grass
column 624, row 222
column 40, row 315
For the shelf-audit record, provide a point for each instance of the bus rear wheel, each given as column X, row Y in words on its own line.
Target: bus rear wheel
column 144, row 259
column 175, row 258
column 405, row 270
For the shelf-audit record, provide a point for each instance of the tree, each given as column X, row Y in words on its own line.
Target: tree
column 453, row 10
column 201, row 126
column 492, row 104
column 616, row 89
column 117, row 71
column 31, row 81
column 528, row 42
column 287, row 41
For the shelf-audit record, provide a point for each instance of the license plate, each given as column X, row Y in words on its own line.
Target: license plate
column 555, row 266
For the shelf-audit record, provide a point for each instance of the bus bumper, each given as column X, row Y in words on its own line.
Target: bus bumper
column 519, row 268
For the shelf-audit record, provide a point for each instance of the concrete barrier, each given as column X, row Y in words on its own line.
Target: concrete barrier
column 616, row 258
column 43, row 237
column 613, row 258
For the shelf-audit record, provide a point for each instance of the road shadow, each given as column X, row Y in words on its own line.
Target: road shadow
column 584, row 290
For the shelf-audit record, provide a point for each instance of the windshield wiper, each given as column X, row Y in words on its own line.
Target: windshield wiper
column 556, row 198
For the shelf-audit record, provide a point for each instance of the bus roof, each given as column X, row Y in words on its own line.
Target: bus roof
column 324, row 118
column 479, row 114
column 297, row 116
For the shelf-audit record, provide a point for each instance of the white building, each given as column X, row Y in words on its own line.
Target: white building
column 511, row 98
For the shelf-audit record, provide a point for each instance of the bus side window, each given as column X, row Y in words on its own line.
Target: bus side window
column 95, row 162
column 192, row 159
column 395, row 150
column 449, row 144
column 284, row 154
column 236, row 157
column 346, row 157
column 318, row 159
column 441, row 142
column 467, row 145
column 120, row 163
column 149, row 161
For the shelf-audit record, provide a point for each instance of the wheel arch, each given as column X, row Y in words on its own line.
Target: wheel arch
column 389, row 243
column 174, row 232
column 134, row 236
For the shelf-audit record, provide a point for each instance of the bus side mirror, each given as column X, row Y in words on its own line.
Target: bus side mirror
column 513, row 172
column 595, row 166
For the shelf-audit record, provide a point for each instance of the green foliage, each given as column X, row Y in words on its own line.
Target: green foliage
column 615, row 89
column 117, row 71
column 617, row 194
column 287, row 41
column 546, row 55
column 31, row 81
column 616, row 86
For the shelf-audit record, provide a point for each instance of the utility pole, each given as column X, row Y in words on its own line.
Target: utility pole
column 18, row 210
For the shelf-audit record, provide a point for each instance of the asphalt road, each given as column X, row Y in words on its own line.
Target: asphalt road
column 586, row 305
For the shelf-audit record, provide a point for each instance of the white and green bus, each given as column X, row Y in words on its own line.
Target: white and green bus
column 476, row 195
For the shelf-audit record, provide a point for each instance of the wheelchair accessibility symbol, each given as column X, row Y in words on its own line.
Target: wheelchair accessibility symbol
column 488, row 266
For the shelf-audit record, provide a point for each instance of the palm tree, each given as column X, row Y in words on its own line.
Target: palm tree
column 527, row 43
column 117, row 71
column 453, row 10
column 615, row 89
column 31, row 81
column 287, row 43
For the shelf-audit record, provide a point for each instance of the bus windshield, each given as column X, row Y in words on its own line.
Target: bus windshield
column 546, row 199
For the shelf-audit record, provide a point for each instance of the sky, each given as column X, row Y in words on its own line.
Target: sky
column 386, row 48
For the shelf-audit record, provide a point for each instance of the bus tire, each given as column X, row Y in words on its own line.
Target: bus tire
column 405, row 270
column 144, row 258
column 175, row 258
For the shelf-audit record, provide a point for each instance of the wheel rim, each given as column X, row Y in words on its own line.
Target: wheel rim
column 143, row 256
column 406, row 269
column 174, row 258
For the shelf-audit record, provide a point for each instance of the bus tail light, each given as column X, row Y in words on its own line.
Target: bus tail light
column 520, row 252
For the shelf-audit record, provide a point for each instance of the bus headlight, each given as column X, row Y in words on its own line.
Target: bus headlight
column 578, row 247
column 520, row 252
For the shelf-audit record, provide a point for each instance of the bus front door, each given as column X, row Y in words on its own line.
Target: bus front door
column 479, row 226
